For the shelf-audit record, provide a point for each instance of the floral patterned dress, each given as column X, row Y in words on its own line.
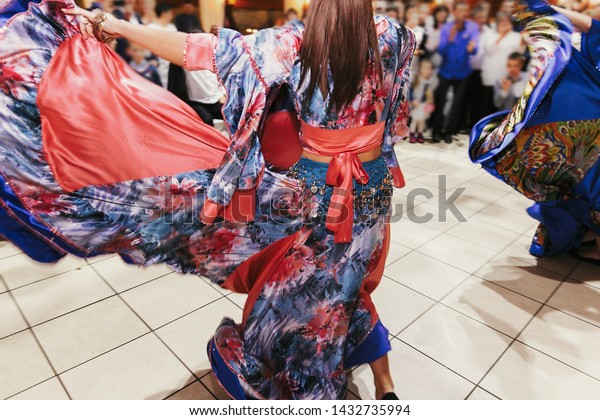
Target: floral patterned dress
column 309, row 315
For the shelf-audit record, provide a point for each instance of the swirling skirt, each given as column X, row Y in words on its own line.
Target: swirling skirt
column 309, row 314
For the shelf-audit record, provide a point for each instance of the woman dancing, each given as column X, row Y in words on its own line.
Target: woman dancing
column 95, row 160
column 548, row 146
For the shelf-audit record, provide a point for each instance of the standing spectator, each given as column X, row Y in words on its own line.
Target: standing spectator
column 424, row 13
column 412, row 22
column 473, row 111
column 509, row 89
column 451, row 5
column 164, row 18
column 141, row 65
column 422, row 101
column 440, row 16
column 395, row 13
column 205, row 95
column 497, row 46
column 125, row 9
column 458, row 41
column 291, row 14
column 508, row 7
column 146, row 12
column 187, row 21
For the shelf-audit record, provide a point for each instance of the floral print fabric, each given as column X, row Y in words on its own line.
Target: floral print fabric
column 314, row 309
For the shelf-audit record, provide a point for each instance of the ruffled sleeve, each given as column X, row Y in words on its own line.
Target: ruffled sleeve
column 247, row 66
column 397, row 124
column 199, row 52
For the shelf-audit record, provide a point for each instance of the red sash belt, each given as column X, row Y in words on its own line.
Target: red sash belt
column 343, row 146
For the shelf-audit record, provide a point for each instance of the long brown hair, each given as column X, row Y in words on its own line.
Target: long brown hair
column 341, row 35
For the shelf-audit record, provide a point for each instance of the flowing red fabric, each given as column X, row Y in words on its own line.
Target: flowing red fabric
column 266, row 266
column 345, row 167
column 102, row 123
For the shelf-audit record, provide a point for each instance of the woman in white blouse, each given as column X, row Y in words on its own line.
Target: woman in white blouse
column 163, row 20
column 496, row 47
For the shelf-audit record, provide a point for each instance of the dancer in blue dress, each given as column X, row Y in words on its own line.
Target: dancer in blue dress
column 548, row 146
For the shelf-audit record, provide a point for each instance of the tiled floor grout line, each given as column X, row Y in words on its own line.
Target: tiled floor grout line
column 515, row 339
column 231, row 300
column 558, row 360
column 153, row 331
column 118, row 294
column 46, row 278
column 87, row 305
column 468, row 275
column 435, row 360
column 483, row 389
column 40, row 347
column 397, row 336
column 199, row 381
column 441, row 232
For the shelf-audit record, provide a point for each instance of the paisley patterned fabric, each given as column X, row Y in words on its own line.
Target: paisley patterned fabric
column 309, row 313
column 548, row 146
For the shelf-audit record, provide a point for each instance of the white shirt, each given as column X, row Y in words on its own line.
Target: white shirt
column 495, row 55
column 203, row 86
column 477, row 59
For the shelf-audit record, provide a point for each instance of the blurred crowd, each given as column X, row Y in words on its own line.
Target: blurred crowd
column 469, row 63
column 199, row 89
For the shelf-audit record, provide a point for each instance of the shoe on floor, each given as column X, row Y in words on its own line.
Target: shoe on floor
column 448, row 138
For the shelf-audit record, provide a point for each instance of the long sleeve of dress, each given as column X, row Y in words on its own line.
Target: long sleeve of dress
column 397, row 124
column 247, row 66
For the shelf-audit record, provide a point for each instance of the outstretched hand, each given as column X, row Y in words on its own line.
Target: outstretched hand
column 85, row 19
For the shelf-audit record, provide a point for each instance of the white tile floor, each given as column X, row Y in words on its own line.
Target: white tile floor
column 472, row 314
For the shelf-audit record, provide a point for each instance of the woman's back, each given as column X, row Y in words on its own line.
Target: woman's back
column 373, row 102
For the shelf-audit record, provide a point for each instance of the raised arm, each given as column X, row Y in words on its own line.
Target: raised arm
column 582, row 22
column 166, row 44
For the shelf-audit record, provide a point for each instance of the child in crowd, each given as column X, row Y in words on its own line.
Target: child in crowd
column 422, row 100
column 141, row 65
column 509, row 89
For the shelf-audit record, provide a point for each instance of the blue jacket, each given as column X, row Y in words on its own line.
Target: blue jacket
column 456, row 59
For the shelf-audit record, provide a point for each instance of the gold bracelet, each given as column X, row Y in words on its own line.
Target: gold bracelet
column 98, row 26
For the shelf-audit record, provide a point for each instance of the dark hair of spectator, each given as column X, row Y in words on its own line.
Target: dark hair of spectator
column 437, row 10
column 478, row 9
column 502, row 16
column 392, row 9
column 517, row 56
column 161, row 8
